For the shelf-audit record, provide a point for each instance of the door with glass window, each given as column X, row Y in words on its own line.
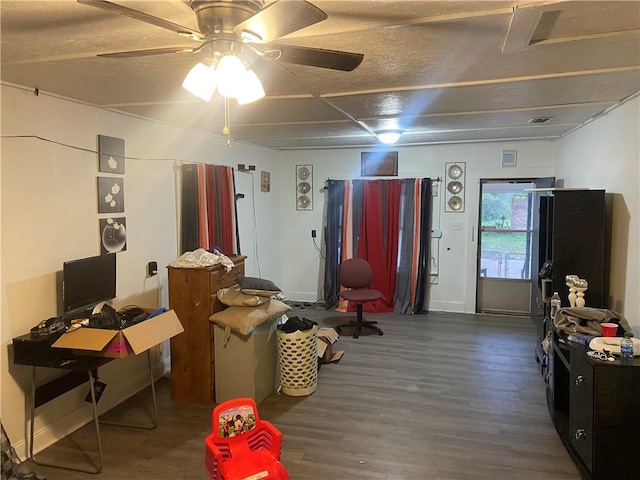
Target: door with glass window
column 504, row 246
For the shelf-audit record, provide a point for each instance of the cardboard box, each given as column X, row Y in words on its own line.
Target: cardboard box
column 120, row 343
column 327, row 339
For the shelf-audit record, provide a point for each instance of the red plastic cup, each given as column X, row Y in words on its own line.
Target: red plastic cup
column 609, row 329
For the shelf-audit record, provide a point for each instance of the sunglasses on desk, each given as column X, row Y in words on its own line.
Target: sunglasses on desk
column 603, row 355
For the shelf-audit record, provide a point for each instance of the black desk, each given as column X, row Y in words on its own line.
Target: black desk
column 38, row 352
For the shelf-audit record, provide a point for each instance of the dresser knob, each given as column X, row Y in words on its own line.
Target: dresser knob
column 579, row 380
column 580, row 434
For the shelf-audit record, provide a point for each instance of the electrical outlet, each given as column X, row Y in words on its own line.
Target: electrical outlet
column 152, row 268
column 313, row 234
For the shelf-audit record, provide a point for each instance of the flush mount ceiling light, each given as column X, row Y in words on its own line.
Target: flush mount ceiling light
column 389, row 136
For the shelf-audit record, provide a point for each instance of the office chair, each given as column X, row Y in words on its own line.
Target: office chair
column 356, row 275
column 241, row 446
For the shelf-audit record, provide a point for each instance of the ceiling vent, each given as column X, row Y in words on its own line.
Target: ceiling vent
column 538, row 120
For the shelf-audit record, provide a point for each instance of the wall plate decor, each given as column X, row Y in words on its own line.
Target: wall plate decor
column 509, row 158
column 454, row 178
column 113, row 235
column 110, row 194
column 379, row 164
column 304, row 187
column 111, row 154
column 265, row 181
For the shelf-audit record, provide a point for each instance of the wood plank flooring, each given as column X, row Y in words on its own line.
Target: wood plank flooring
column 438, row 396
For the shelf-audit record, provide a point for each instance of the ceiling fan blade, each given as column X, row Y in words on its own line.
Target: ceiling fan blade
column 315, row 57
column 143, row 17
column 145, row 53
column 278, row 19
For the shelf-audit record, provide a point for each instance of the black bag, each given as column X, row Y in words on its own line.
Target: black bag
column 545, row 272
column 294, row 324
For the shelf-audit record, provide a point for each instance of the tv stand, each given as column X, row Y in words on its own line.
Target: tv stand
column 593, row 405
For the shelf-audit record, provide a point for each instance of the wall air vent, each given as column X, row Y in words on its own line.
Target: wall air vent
column 538, row 120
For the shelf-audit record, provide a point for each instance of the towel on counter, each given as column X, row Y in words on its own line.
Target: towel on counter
column 587, row 320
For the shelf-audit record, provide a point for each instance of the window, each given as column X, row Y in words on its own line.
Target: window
column 505, row 229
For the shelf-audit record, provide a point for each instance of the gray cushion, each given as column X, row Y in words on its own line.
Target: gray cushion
column 257, row 286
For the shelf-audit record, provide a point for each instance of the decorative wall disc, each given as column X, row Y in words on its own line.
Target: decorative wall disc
column 455, row 175
column 455, row 171
column 304, row 187
column 303, row 173
column 455, row 186
column 303, row 201
column 455, row 203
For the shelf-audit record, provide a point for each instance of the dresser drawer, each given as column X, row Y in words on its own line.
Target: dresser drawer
column 222, row 279
column 581, row 410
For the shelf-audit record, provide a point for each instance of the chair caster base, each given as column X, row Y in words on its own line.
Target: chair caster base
column 358, row 327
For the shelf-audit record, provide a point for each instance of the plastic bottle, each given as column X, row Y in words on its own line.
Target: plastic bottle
column 626, row 346
column 555, row 304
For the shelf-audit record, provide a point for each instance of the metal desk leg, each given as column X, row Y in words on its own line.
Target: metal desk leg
column 155, row 405
column 98, row 468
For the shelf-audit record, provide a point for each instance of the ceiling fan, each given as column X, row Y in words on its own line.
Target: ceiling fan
column 243, row 23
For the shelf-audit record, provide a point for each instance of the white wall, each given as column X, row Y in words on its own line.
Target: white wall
column 454, row 253
column 602, row 155
column 606, row 154
column 49, row 215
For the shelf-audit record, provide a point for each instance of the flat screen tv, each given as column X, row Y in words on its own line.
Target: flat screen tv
column 88, row 281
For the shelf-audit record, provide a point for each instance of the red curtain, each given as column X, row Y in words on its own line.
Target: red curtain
column 386, row 222
column 378, row 240
column 208, row 209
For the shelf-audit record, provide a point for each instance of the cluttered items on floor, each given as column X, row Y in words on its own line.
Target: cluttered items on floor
column 12, row 467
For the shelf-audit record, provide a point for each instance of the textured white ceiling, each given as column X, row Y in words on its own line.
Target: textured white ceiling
column 436, row 69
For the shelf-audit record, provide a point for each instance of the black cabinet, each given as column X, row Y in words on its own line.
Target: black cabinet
column 569, row 231
column 594, row 407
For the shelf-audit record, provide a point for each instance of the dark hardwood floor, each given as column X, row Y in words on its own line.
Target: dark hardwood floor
column 439, row 396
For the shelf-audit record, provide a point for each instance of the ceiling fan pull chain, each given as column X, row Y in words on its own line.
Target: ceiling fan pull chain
column 225, row 129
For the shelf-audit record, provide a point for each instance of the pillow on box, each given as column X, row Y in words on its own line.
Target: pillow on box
column 257, row 286
column 245, row 319
column 233, row 297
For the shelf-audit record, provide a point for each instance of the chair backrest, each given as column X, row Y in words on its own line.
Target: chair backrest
column 355, row 273
column 236, row 428
column 241, row 445
column 233, row 418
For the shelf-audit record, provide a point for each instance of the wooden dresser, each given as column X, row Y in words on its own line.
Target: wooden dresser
column 192, row 295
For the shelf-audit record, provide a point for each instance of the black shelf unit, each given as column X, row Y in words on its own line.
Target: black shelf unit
column 569, row 231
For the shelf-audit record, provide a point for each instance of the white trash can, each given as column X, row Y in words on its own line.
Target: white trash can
column 298, row 361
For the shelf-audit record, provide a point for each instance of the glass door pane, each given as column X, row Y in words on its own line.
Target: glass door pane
column 505, row 230
column 504, row 246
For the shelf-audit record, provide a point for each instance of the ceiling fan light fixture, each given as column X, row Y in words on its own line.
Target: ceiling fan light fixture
column 201, row 81
column 250, row 88
column 229, row 72
column 389, row 137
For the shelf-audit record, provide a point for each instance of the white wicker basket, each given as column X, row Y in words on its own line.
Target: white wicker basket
column 298, row 362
